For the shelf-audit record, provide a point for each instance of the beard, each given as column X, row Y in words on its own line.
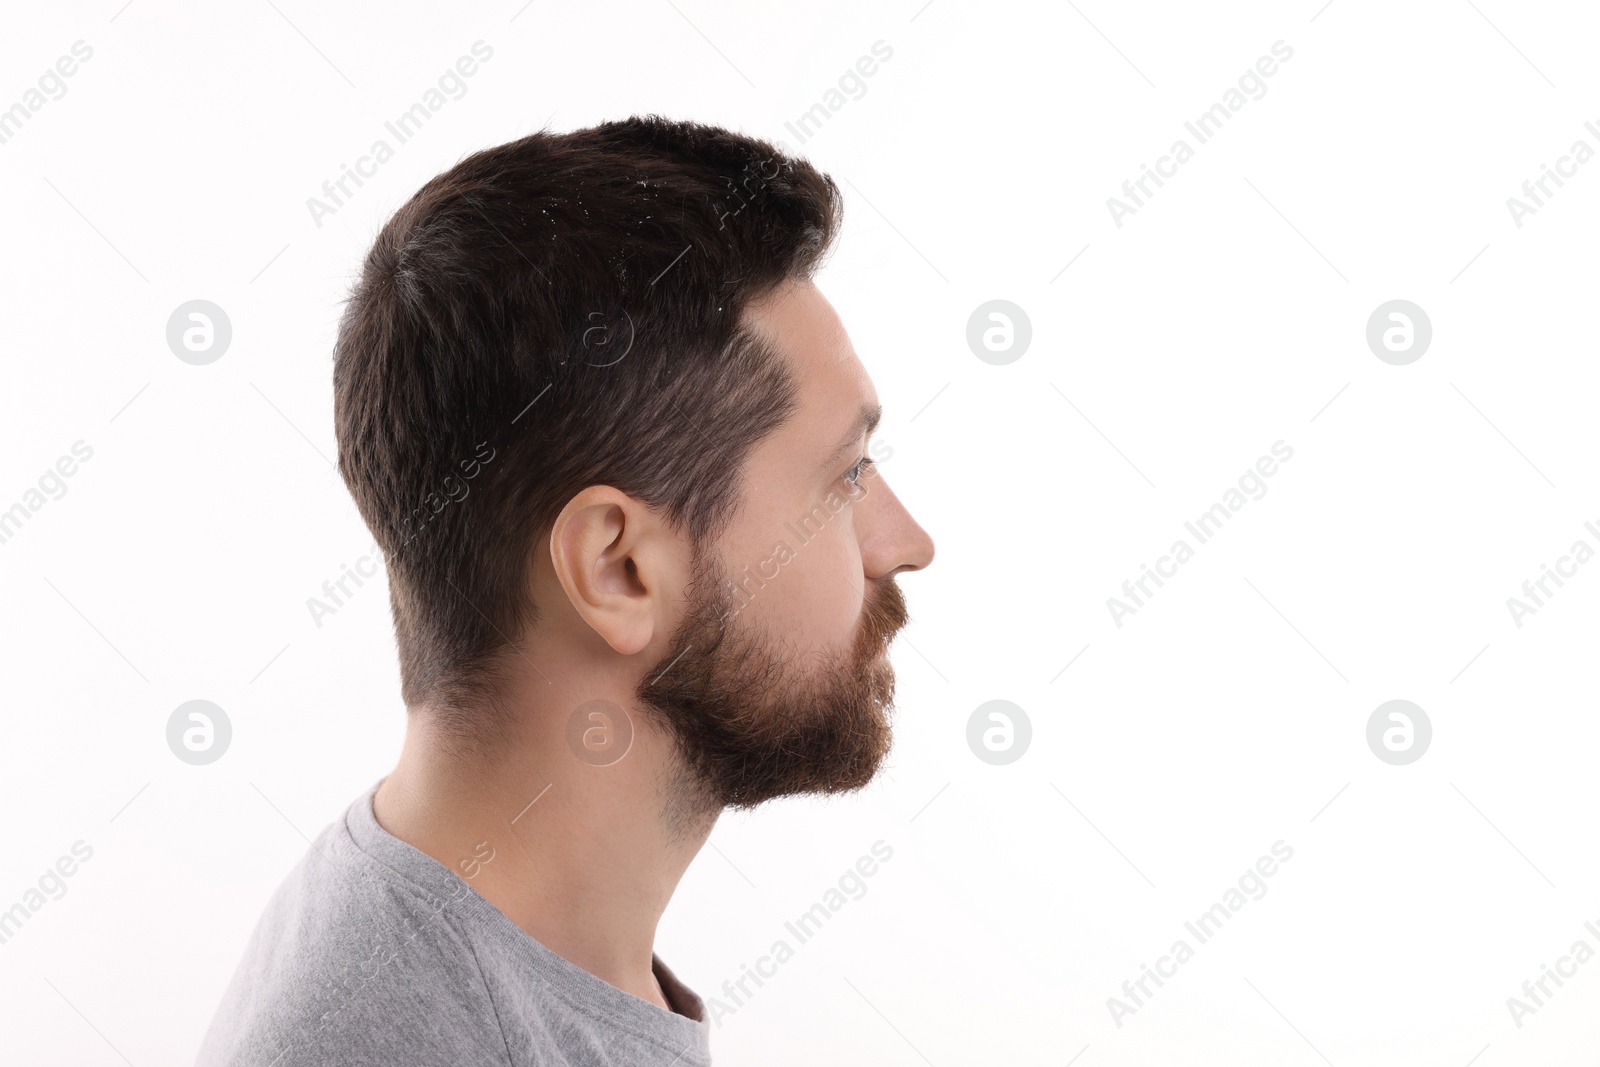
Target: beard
column 753, row 722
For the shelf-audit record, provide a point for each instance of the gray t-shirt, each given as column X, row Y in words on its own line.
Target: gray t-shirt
column 374, row 954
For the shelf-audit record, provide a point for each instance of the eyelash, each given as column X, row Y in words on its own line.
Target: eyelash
column 853, row 475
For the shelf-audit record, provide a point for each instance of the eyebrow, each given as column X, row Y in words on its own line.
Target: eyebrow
column 866, row 422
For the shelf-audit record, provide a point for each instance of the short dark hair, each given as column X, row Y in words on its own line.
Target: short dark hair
column 560, row 311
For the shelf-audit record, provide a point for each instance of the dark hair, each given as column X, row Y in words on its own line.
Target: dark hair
column 556, row 312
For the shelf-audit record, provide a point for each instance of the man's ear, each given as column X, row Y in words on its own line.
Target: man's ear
column 616, row 561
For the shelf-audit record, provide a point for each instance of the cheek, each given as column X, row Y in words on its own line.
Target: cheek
column 814, row 599
column 810, row 588
column 829, row 584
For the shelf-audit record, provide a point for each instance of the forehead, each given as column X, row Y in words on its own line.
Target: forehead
column 831, row 383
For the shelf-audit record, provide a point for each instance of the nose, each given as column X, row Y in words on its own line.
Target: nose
column 891, row 540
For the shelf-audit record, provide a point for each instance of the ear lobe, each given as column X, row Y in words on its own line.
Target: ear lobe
column 595, row 546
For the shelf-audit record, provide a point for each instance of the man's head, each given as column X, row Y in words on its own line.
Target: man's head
column 587, row 397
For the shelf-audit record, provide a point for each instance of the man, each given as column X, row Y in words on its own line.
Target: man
column 614, row 445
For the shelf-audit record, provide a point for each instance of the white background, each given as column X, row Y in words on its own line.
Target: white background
column 1226, row 314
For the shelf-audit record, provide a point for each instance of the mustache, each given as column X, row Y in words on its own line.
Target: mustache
column 883, row 615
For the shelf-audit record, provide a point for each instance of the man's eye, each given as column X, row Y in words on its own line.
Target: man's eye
column 853, row 475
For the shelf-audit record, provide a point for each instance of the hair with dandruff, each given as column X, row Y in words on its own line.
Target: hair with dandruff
column 561, row 311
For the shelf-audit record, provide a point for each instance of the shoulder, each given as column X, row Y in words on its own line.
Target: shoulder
column 350, row 965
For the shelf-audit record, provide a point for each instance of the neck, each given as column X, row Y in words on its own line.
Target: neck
column 583, row 858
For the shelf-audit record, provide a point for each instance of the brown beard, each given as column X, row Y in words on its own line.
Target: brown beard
column 752, row 724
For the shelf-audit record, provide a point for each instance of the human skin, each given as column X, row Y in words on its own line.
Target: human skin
column 587, row 857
